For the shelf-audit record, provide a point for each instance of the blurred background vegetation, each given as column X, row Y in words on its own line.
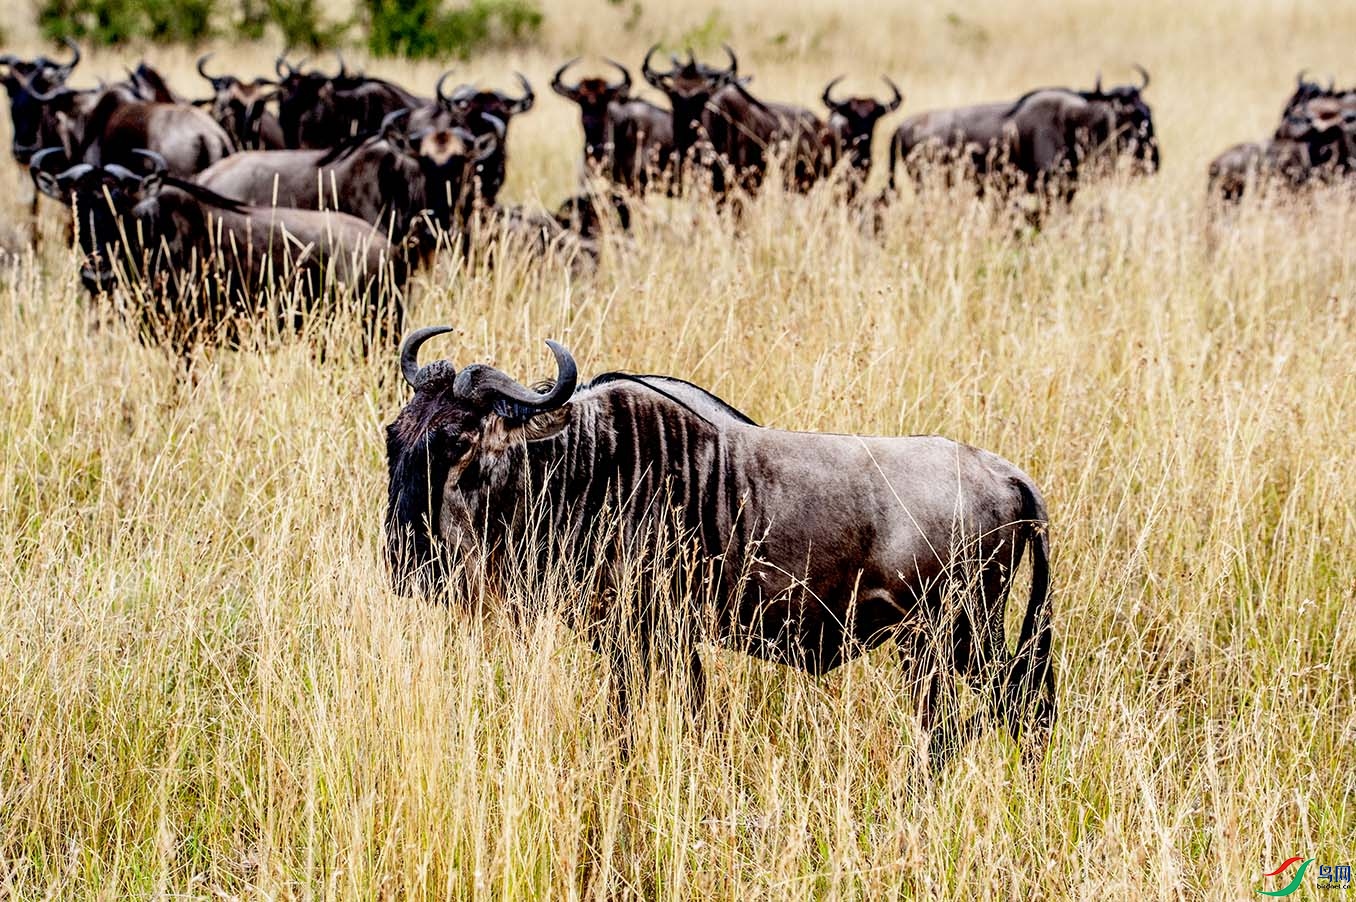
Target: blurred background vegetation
column 408, row 28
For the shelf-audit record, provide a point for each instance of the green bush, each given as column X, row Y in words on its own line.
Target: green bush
column 423, row 28
column 120, row 21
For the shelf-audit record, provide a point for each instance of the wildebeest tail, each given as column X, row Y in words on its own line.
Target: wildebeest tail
column 1032, row 676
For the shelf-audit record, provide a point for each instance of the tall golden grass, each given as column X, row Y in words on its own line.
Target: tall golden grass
column 207, row 688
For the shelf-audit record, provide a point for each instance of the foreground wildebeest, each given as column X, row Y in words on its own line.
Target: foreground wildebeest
column 813, row 547
column 26, row 81
column 741, row 132
column 853, row 124
column 241, row 108
column 319, row 110
column 111, row 125
column 386, row 178
column 626, row 139
column 201, row 261
column 1039, row 143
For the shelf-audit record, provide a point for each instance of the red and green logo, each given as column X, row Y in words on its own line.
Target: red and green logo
column 1295, row 881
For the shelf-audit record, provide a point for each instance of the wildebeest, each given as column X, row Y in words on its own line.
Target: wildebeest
column 385, row 178
column 199, row 261
column 1313, row 143
column 483, row 112
column 25, row 82
column 626, row 139
column 811, row 548
column 1039, row 143
column 742, row 132
column 319, row 110
column 852, row 122
column 241, row 108
column 109, row 126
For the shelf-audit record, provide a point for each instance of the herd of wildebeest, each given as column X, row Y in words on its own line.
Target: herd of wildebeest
column 275, row 187
column 812, row 548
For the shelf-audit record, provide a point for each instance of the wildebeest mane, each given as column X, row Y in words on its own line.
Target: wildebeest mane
column 642, row 379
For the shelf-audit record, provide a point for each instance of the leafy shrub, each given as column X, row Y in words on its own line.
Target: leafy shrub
column 423, row 28
column 120, row 21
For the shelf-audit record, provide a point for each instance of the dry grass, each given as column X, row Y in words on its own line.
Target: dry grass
column 207, row 689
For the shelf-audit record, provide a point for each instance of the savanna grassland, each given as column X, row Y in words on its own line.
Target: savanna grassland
column 207, row 688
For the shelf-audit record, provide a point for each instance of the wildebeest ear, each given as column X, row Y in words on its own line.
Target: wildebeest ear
column 540, row 426
column 47, row 183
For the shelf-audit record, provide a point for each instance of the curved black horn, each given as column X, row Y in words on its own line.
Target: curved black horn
column 558, row 85
column 499, row 126
column 733, row 69
column 482, row 384
column 895, row 101
column 828, row 90
column 1097, row 85
column 158, row 165
column 438, row 88
column 649, row 74
column 38, row 163
column 409, row 352
column 626, row 74
column 343, row 67
column 280, row 64
column 1143, row 76
column 40, row 96
column 524, row 103
column 202, row 61
column 75, row 54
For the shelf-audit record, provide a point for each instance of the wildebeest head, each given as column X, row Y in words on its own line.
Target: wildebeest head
column 32, row 85
column 468, row 103
column 457, row 443
column 236, row 105
column 1134, row 136
column 857, row 118
column 594, row 95
column 117, row 213
column 307, row 104
column 689, row 86
column 448, row 156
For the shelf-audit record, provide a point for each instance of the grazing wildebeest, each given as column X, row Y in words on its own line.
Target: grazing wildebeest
column 853, row 124
column 319, row 110
column 241, row 108
column 626, row 139
column 1039, row 143
column 109, row 126
column 813, row 547
column 386, row 178
column 743, row 133
column 201, row 261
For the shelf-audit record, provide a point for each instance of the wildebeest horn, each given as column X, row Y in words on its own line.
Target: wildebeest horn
column 75, row 54
column 482, row 384
column 733, row 69
column 558, row 85
column 40, row 96
column 280, row 64
column 626, row 74
column 524, row 103
column 39, row 161
column 650, row 74
column 409, row 353
column 343, row 67
column 1097, row 85
column 438, row 88
column 1143, row 76
column 898, row 99
column 498, row 125
column 158, row 165
column 828, row 90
